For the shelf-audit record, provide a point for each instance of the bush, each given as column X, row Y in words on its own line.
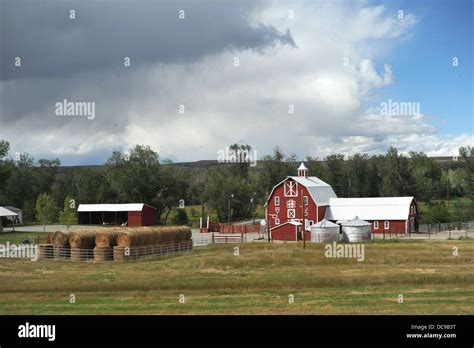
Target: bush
column 181, row 217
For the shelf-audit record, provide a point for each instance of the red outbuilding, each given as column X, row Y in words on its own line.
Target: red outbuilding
column 131, row 214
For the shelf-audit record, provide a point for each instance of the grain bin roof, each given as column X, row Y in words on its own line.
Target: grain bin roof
column 6, row 212
column 324, row 224
column 355, row 222
column 111, row 207
column 380, row 208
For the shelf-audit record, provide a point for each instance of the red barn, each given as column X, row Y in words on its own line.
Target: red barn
column 393, row 215
column 295, row 199
column 307, row 200
column 134, row 214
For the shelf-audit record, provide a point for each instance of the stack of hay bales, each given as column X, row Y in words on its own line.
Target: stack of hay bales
column 82, row 244
column 104, row 243
column 148, row 241
column 62, row 248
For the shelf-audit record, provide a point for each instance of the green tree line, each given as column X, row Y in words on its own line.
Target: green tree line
column 44, row 189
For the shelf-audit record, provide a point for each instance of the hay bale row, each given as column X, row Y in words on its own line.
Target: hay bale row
column 107, row 239
column 83, row 239
column 153, row 236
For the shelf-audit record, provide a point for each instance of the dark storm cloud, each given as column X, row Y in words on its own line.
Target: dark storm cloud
column 51, row 45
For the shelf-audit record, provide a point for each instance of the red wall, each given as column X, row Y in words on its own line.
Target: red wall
column 145, row 217
column 285, row 232
column 148, row 215
column 398, row 226
column 135, row 218
column 282, row 214
column 395, row 227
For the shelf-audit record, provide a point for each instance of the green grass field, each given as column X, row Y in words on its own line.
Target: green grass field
column 259, row 281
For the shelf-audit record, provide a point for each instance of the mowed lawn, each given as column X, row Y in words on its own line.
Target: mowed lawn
column 259, row 281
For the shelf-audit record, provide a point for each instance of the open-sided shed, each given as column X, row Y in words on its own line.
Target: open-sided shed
column 133, row 214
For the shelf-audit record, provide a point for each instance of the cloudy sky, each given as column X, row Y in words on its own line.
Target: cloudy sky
column 312, row 77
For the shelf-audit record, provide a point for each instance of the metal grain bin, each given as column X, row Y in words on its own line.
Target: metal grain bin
column 324, row 231
column 356, row 230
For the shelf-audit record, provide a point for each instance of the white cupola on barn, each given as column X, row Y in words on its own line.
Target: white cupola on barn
column 302, row 170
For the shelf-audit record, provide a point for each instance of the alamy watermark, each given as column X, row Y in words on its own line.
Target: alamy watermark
column 394, row 108
column 15, row 251
column 229, row 155
column 80, row 109
column 345, row 251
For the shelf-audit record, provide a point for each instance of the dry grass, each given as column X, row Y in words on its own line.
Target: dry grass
column 259, row 281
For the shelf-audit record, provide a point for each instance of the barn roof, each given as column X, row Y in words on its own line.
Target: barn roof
column 111, row 207
column 6, row 212
column 379, row 208
column 319, row 190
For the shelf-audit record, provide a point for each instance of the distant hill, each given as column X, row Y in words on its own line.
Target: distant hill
column 444, row 161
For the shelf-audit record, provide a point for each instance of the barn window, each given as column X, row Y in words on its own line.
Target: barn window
column 291, row 204
column 376, row 225
column 305, row 200
column 291, row 214
column 277, row 221
column 291, row 189
column 386, row 225
column 277, row 200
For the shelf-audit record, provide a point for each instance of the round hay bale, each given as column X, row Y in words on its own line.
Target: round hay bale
column 61, row 253
column 79, row 254
column 103, row 254
column 45, row 251
column 133, row 238
column 61, row 238
column 107, row 239
column 83, row 239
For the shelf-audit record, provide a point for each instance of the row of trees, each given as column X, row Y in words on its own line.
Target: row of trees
column 233, row 190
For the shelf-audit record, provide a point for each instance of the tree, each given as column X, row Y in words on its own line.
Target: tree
column 181, row 217
column 46, row 210
column 68, row 215
column 427, row 176
column 272, row 170
column 337, row 174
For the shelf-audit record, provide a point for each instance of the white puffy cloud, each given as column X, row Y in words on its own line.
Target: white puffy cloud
column 328, row 75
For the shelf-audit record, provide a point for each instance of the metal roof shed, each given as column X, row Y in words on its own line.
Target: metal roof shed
column 133, row 214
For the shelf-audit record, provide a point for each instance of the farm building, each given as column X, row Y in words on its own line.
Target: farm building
column 4, row 212
column 19, row 214
column 289, row 231
column 132, row 214
column 297, row 198
column 396, row 215
column 307, row 200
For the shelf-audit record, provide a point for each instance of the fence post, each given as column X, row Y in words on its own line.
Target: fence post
column 383, row 233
